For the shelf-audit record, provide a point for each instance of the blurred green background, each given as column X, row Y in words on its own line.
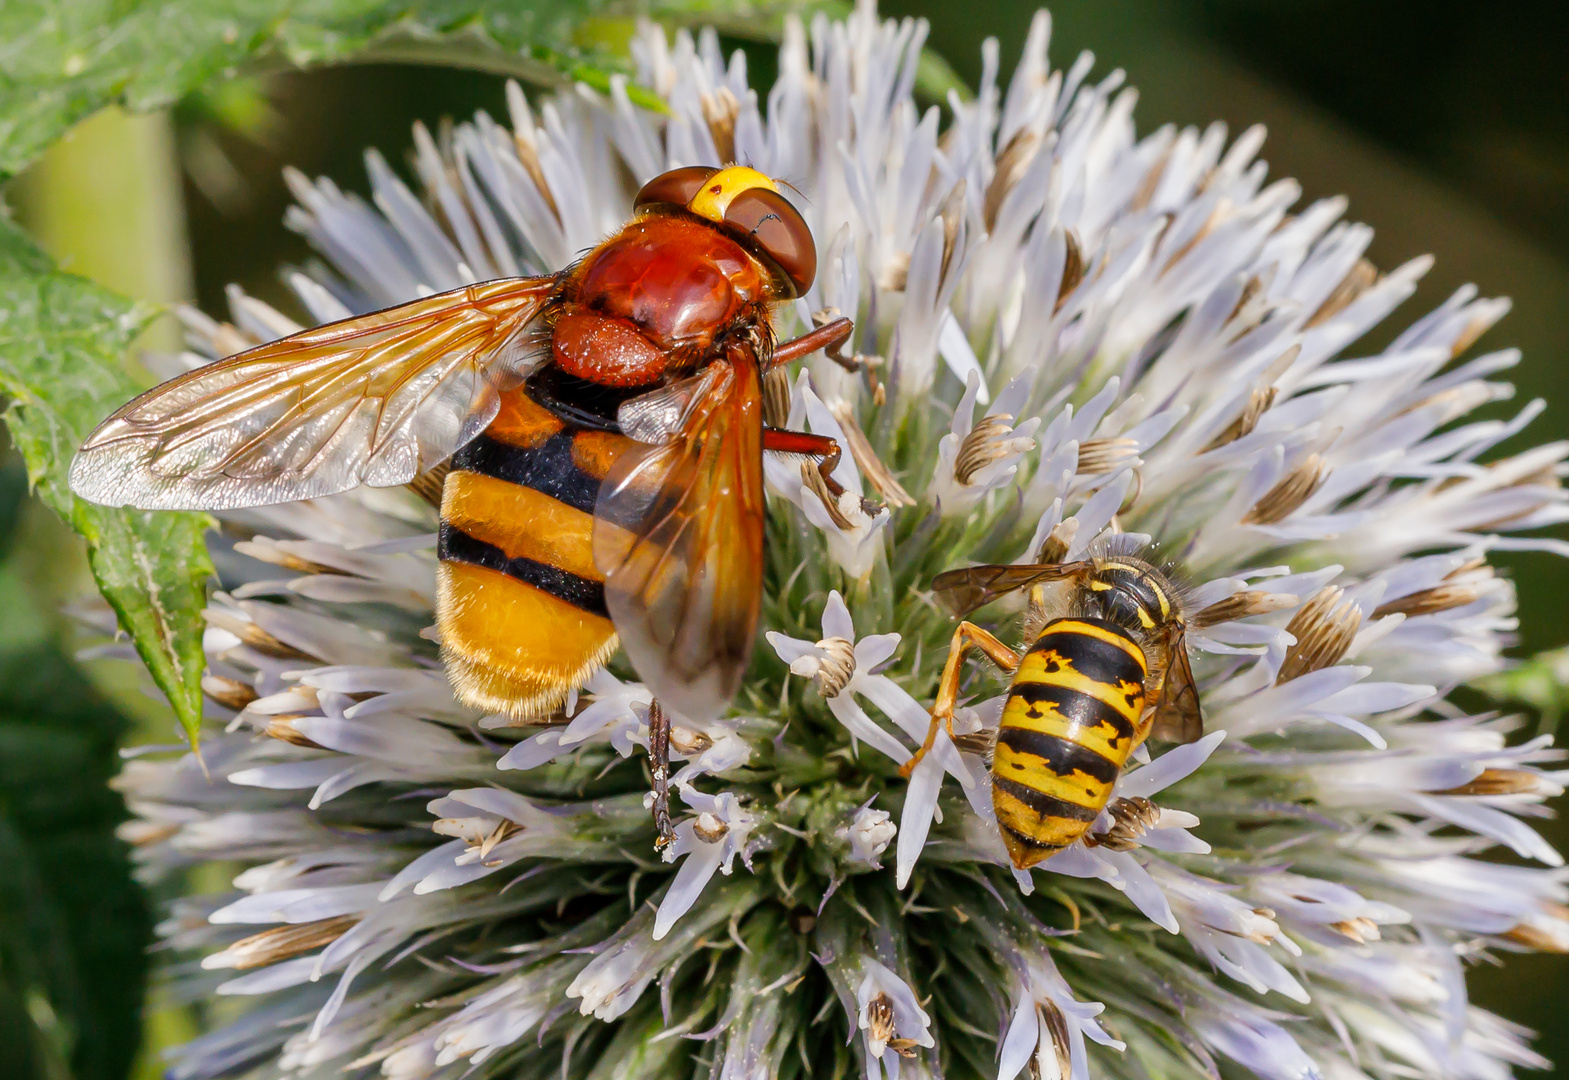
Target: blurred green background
column 1446, row 123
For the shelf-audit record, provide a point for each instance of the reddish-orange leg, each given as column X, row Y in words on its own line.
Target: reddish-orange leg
column 965, row 637
column 824, row 449
column 827, row 337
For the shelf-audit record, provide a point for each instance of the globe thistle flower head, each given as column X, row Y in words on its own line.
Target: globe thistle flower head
column 1073, row 332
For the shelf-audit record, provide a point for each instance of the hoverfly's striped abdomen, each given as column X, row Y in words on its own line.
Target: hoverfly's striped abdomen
column 520, row 604
column 1070, row 722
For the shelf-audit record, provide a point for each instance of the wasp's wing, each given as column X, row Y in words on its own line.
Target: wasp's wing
column 679, row 538
column 1178, row 716
column 369, row 400
column 962, row 591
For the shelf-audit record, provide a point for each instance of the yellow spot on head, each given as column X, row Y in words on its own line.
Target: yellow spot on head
column 714, row 197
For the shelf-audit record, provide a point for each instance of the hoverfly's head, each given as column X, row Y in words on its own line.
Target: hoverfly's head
column 747, row 204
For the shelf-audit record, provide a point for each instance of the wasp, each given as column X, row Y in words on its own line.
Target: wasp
column 1097, row 680
column 596, row 437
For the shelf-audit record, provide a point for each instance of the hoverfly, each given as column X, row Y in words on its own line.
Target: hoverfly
column 597, row 435
column 1096, row 681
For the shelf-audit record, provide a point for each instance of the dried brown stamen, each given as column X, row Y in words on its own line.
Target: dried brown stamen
column 895, row 272
column 710, row 828
column 1055, row 547
column 278, row 554
column 1241, row 605
column 283, row 942
column 139, row 832
column 1503, row 782
column 1548, row 476
column 881, row 1027
column 985, row 444
column 1056, row 1025
column 1284, row 499
column 1072, row 270
column 776, row 397
column 1259, row 403
column 253, row 635
column 1151, row 182
column 1544, row 938
column 527, row 149
column 835, row 669
column 1131, row 819
column 952, row 214
column 685, row 740
column 1360, row 930
column 813, row 478
column 429, row 485
column 281, row 727
column 720, row 109
column 1354, row 284
column 1450, row 594
column 1098, row 456
column 230, row 693
column 1011, row 165
column 1479, row 325
column 1223, row 210
column 866, row 458
column 1324, row 629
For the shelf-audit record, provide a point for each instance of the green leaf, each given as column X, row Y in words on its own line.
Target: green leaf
column 73, row 926
column 1542, row 682
column 61, row 60
column 62, row 346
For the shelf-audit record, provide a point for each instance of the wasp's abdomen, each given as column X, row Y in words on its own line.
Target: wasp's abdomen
column 520, row 604
column 1070, row 722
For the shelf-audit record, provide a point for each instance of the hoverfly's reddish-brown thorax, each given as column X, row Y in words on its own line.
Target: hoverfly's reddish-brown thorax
column 675, row 281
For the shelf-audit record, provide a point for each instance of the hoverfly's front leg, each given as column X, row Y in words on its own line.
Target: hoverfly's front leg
column 659, row 765
column 828, row 337
column 965, row 637
column 826, row 451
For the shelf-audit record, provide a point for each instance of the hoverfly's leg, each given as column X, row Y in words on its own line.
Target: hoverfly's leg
column 827, row 337
column 659, row 765
column 965, row 637
column 826, row 451
column 822, row 447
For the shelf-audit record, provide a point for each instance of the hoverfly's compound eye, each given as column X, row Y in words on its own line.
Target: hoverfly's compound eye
column 676, row 187
column 769, row 221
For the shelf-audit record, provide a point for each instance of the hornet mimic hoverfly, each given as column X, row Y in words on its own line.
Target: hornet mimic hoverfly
column 1094, row 684
column 596, row 438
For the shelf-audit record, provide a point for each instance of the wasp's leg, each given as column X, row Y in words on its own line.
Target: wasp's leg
column 659, row 765
column 965, row 637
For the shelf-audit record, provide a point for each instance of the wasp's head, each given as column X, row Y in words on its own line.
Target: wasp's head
column 744, row 203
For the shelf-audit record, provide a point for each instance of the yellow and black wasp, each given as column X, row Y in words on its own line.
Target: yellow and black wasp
column 1107, row 666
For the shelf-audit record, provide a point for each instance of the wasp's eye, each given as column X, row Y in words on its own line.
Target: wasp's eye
column 675, row 187
column 768, row 219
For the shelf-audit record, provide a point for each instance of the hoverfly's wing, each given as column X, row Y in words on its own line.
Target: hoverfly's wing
column 666, row 414
column 1178, row 717
column 962, row 591
column 679, row 537
column 372, row 400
